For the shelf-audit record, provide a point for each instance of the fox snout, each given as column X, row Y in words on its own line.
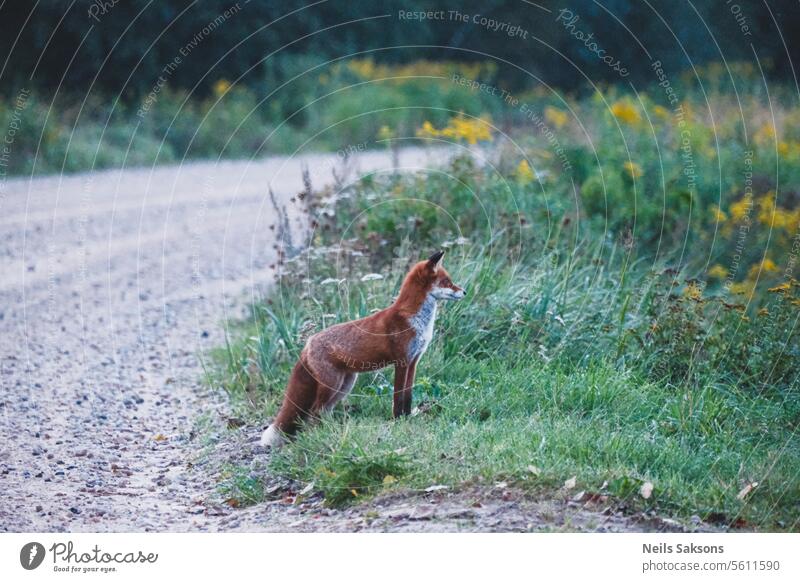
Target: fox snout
column 449, row 293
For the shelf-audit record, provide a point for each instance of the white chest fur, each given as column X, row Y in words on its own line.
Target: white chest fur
column 422, row 324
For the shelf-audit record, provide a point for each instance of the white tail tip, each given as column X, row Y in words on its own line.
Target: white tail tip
column 272, row 437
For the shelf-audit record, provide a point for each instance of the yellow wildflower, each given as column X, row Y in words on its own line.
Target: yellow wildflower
column 766, row 133
column 780, row 288
column 718, row 272
column 524, row 172
column 626, row 112
column 718, row 214
column 385, row 132
column 772, row 215
column 766, row 266
column 741, row 208
column 470, row 130
column 766, row 208
column 661, row 112
column 792, row 148
column 693, row 291
column 364, row 68
column 769, row 266
column 459, row 128
column 427, row 130
column 221, row 87
column 556, row 116
column 633, row 169
column 743, row 288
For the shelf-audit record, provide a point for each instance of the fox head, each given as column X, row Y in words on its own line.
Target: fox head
column 435, row 280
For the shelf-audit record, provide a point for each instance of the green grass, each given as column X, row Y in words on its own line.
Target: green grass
column 512, row 395
column 583, row 350
column 537, row 426
column 239, row 487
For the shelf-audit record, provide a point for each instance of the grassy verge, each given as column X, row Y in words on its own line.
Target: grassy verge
column 574, row 366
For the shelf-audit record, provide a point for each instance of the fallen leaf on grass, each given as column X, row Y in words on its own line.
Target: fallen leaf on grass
column 646, row 490
column 590, row 497
column 233, row 502
column 570, row 483
column 746, row 491
column 579, row 496
column 433, row 488
column 535, row 470
column 389, row 479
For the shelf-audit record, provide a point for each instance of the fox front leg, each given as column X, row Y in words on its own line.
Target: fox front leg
column 400, row 390
column 409, row 386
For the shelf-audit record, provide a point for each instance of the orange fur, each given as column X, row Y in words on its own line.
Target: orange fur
column 397, row 335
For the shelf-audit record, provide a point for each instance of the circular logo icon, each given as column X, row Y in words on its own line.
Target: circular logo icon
column 31, row 555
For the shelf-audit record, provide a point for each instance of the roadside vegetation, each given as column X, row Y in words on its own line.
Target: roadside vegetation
column 631, row 327
column 300, row 105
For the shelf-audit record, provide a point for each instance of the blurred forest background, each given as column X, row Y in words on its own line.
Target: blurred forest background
column 61, row 45
column 138, row 82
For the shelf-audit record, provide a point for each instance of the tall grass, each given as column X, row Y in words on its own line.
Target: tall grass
column 575, row 355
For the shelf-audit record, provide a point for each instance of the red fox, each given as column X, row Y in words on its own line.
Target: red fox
column 397, row 335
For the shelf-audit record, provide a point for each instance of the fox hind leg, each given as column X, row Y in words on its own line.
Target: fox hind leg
column 344, row 388
column 298, row 403
column 307, row 395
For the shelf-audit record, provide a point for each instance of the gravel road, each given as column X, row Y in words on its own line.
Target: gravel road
column 114, row 284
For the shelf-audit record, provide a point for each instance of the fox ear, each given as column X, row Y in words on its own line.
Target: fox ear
column 435, row 260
